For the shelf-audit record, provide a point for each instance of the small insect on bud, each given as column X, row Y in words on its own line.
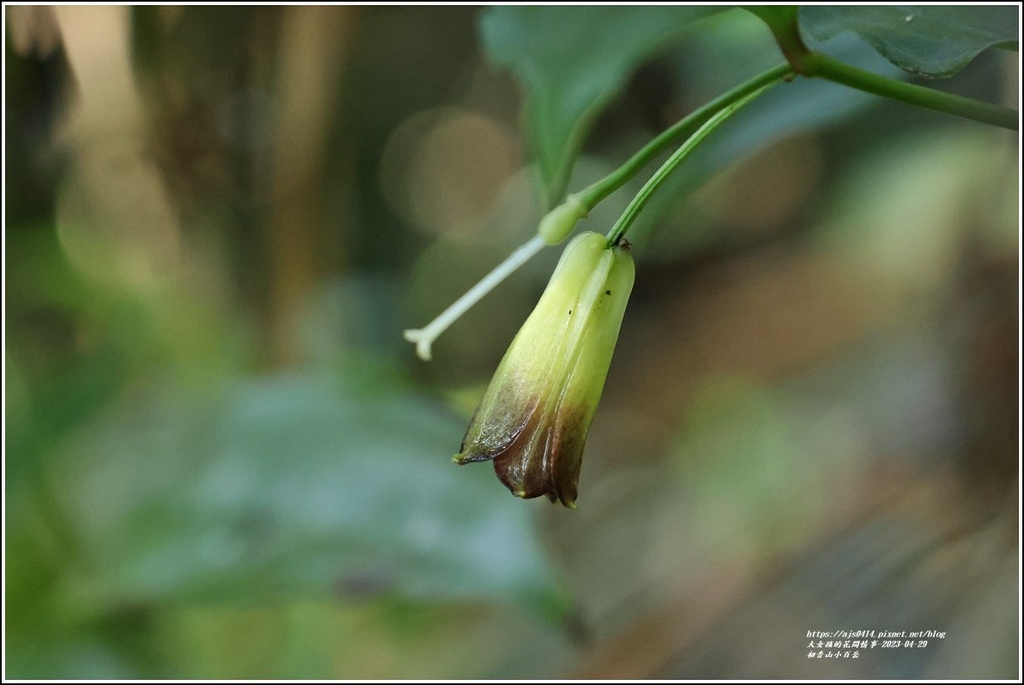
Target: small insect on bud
column 535, row 415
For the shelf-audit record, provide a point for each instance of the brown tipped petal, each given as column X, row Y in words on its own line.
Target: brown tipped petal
column 521, row 467
column 547, row 460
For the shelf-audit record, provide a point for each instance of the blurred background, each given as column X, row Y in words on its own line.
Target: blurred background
column 223, row 461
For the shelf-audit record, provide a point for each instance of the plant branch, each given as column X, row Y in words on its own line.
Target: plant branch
column 816, row 64
column 637, row 204
column 595, row 193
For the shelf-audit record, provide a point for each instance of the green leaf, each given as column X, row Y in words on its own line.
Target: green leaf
column 67, row 657
column 288, row 487
column 571, row 61
column 934, row 40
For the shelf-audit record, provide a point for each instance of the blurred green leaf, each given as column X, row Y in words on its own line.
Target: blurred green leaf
column 288, row 487
column 931, row 40
column 571, row 61
column 67, row 658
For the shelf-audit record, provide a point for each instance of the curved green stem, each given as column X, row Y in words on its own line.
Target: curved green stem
column 590, row 196
column 637, row 204
column 822, row 66
column 784, row 23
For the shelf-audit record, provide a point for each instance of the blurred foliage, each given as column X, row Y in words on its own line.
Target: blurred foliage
column 289, row 487
column 570, row 69
column 222, row 461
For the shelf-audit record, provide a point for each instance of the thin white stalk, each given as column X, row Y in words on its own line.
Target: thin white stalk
column 424, row 337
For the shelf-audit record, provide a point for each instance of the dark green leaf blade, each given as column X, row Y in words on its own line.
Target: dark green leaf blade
column 933, row 40
column 570, row 62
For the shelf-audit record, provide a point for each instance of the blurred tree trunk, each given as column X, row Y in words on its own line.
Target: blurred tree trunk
column 311, row 59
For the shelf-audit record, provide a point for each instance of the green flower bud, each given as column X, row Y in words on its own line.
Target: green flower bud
column 560, row 221
column 534, row 418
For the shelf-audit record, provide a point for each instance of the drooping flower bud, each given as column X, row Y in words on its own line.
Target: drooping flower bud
column 535, row 415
